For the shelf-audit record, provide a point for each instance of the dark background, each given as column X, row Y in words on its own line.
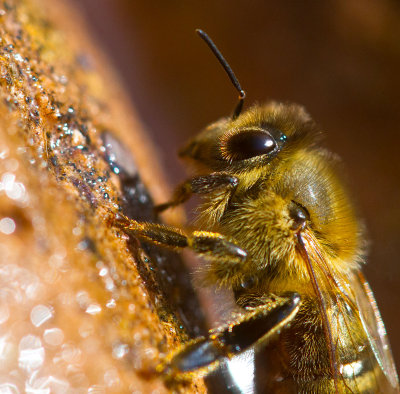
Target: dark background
column 340, row 59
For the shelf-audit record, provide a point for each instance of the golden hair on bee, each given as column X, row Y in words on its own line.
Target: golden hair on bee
column 278, row 228
column 292, row 173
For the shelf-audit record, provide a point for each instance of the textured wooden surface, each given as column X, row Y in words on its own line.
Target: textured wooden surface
column 82, row 305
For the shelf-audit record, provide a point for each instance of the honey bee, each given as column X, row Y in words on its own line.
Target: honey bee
column 278, row 229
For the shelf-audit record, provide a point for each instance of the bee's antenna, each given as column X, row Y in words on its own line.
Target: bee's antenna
column 228, row 70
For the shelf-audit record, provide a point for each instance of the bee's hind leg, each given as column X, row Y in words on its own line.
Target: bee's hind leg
column 203, row 355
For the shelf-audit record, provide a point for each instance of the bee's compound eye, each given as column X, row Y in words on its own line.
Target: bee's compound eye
column 299, row 214
column 248, row 282
column 250, row 143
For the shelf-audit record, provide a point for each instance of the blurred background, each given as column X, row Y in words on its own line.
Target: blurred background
column 340, row 59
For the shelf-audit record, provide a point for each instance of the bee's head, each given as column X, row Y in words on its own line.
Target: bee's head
column 252, row 140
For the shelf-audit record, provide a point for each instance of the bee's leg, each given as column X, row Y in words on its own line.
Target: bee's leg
column 214, row 246
column 199, row 185
column 204, row 354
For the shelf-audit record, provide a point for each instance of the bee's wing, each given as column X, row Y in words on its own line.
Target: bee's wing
column 355, row 331
column 374, row 327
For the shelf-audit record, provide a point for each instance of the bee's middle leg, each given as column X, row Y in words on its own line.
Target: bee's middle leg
column 213, row 246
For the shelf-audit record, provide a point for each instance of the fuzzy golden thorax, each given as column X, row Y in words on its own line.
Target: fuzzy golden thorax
column 282, row 173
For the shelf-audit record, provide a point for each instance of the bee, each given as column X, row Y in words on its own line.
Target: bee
column 277, row 227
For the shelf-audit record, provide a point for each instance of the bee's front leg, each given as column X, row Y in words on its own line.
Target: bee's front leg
column 199, row 185
column 213, row 246
column 256, row 326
